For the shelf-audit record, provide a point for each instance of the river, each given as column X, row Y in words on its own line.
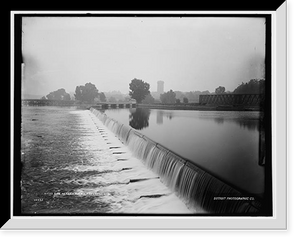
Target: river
column 224, row 143
column 73, row 164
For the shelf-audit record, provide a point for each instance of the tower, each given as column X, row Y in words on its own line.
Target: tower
column 160, row 87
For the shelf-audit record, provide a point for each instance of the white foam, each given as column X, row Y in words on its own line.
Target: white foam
column 127, row 185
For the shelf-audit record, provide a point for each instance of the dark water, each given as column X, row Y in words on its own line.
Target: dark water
column 222, row 142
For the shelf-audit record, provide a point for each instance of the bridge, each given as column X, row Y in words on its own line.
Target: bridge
column 232, row 99
column 109, row 105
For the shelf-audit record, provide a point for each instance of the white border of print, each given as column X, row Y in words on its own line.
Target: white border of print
column 279, row 159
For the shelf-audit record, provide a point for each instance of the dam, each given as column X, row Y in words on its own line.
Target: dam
column 115, row 166
column 193, row 184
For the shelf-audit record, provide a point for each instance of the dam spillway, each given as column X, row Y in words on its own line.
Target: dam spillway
column 197, row 188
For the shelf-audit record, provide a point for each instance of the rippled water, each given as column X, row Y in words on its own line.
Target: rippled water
column 73, row 164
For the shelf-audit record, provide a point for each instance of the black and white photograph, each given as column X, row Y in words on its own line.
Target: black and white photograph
column 145, row 115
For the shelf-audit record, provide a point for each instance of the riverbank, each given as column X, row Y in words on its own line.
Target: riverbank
column 199, row 107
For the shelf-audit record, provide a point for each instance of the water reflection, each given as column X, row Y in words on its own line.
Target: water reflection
column 139, row 118
column 252, row 125
column 227, row 144
column 160, row 117
column 160, row 114
column 219, row 120
column 243, row 122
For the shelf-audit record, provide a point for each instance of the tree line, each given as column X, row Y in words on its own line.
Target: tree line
column 140, row 91
column 87, row 93
column 59, row 94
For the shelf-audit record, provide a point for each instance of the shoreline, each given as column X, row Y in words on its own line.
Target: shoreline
column 199, row 107
column 191, row 106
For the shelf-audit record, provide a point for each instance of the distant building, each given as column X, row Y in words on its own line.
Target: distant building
column 160, row 87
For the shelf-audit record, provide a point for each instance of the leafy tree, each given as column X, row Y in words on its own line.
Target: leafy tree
column 148, row 99
column 102, row 97
column 59, row 94
column 185, row 100
column 127, row 98
column 168, row 97
column 79, row 93
column 86, row 93
column 138, row 89
column 67, row 97
column 112, row 99
column 43, row 98
column 220, row 90
column 179, row 94
column 192, row 96
column 177, row 101
column 254, row 86
column 117, row 94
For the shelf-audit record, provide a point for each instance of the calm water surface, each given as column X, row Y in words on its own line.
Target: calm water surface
column 224, row 143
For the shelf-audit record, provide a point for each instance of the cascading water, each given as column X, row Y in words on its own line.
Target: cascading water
column 197, row 188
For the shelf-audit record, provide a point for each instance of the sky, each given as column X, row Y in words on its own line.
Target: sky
column 188, row 53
